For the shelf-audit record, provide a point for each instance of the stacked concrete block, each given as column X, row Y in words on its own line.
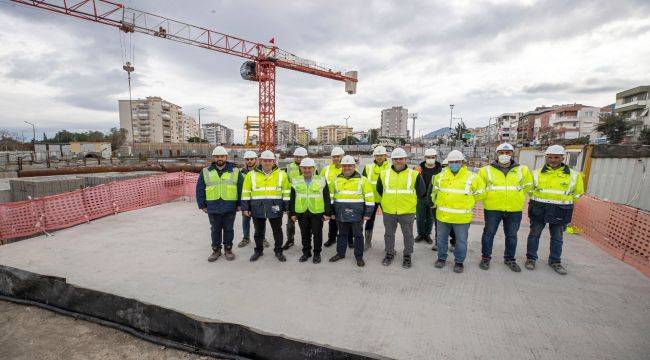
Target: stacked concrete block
column 105, row 178
column 5, row 191
column 36, row 187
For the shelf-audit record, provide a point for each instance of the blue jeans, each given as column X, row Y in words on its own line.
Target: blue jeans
column 221, row 229
column 246, row 226
column 511, row 222
column 424, row 218
column 556, row 230
column 347, row 230
column 442, row 240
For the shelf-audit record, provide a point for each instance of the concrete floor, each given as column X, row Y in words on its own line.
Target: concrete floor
column 601, row 310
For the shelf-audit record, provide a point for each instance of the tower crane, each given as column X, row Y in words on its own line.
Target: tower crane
column 261, row 60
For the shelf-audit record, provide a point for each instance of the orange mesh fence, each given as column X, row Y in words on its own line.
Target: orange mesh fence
column 620, row 230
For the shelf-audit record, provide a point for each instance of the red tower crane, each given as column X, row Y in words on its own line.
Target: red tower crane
column 260, row 66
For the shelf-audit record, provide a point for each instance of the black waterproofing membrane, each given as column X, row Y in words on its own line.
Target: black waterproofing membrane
column 158, row 324
column 621, row 151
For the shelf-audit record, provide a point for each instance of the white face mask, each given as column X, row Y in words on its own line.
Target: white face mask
column 431, row 161
column 504, row 159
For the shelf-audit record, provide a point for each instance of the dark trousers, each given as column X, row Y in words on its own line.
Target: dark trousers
column 291, row 230
column 511, row 222
column 311, row 225
column 556, row 230
column 221, row 230
column 347, row 229
column 370, row 223
column 333, row 230
column 424, row 218
column 260, row 229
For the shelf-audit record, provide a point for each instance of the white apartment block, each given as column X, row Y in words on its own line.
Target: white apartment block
column 394, row 122
column 191, row 128
column 332, row 134
column 286, row 132
column 154, row 120
column 574, row 121
column 218, row 134
column 506, row 125
column 634, row 106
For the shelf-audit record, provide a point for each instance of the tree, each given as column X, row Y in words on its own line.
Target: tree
column 547, row 135
column 373, row 136
column 644, row 137
column 613, row 126
column 195, row 139
column 117, row 137
column 460, row 130
column 313, row 142
column 350, row 140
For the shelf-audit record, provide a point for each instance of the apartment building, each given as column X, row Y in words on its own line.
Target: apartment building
column 286, row 132
column 304, row 136
column 332, row 134
column 506, row 125
column 218, row 134
column 573, row 121
column 633, row 105
column 154, row 120
column 394, row 122
column 526, row 128
column 191, row 128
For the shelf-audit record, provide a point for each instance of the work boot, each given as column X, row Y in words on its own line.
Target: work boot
column 360, row 262
column 419, row 238
column 428, row 239
column 304, row 258
column 215, row 255
column 316, row 259
column 368, row 240
column 287, row 245
column 440, row 263
column 265, row 243
column 388, row 259
column 244, row 242
column 229, row 255
column 280, row 257
column 256, row 256
column 530, row 264
column 484, row 264
column 406, row 263
column 329, row 243
column 336, row 258
column 459, row 267
column 512, row 264
column 558, row 268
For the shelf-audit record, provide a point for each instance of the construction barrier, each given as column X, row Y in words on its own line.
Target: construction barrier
column 620, row 230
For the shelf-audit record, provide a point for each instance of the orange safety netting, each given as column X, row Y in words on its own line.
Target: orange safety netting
column 620, row 230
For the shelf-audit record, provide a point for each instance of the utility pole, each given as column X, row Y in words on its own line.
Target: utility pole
column 202, row 108
column 451, row 116
column 129, row 69
column 347, row 137
column 413, row 116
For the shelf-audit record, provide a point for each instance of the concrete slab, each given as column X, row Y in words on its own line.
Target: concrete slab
column 601, row 310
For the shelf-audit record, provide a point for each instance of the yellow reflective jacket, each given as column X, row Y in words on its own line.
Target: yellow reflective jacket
column 454, row 195
column 371, row 172
column 506, row 192
column 561, row 186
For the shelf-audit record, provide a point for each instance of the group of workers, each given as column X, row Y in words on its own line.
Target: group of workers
column 436, row 195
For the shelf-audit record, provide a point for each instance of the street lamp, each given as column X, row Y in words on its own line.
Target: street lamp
column 201, row 108
column 451, row 116
column 345, row 132
column 33, row 139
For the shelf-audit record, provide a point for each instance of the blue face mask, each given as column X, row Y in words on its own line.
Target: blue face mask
column 455, row 167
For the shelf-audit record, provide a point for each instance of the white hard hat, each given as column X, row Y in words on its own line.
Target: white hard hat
column 455, row 155
column 250, row 155
column 398, row 153
column 348, row 160
column 300, row 151
column 430, row 152
column 219, row 150
column 267, row 155
column 379, row 150
column 307, row 162
column 555, row 150
column 505, row 146
column 337, row 151
column 445, row 162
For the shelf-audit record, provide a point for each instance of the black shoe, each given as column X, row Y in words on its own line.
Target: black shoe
column 280, row 257
column 287, row 245
column 484, row 264
column 440, row 263
column 336, row 258
column 512, row 264
column 351, row 245
column 388, row 259
column 304, row 258
column 419, row 238
column 256, row 256
column 329, row 243
column 406, row 263
column 360, row 262
column 428, row 239
column 316, row 259
column 459, row 267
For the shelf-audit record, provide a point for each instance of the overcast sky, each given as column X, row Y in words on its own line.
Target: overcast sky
column 487, row 58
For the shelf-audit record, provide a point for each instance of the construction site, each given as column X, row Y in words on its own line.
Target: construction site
column 103, row 252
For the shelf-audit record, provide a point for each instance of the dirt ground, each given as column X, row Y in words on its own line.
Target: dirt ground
column 28, row 332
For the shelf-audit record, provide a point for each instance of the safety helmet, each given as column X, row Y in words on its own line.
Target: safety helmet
column 300, row 151
column 555, row 150
column 267, row 155
column 455, row 155
column 379, row 150
column 307, row 162
column 348, row 160
column 219, row 150
column 337, row 151
column 445, row 162
column 250, row 155
column 430, row 152
column 398, row 153
column 505, row 146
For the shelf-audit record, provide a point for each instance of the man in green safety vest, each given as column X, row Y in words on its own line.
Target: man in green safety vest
column 400, row 189
column 309, row 204
column 293, row 171
column 250, row 163
column 218, row 193
column 371, row 172
column 265, row 196
column 330, row 172
column 556, row 187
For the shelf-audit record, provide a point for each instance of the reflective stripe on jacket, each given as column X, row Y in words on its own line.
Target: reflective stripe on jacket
column 352, row 197
column 309, row 197
column 398, row 191
column 506, row 192
column 455, row 195
column 266, row 196
column 561, row 186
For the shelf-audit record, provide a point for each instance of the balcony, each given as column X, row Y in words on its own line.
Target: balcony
column 143, row 116
column 166, row 117
column 632, row 105
column 143, row 106
column 165, row 106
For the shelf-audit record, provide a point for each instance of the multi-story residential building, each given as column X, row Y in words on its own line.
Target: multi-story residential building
column 633, row 105
column 286, row 132
column 332, row 134
column 218, row 134
column 154, row 120
column 361, row 135
column 573, row 121
column 507, row 127
column 394, row 122
column 304, row 136
column 191, row 128
column 526, row 129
